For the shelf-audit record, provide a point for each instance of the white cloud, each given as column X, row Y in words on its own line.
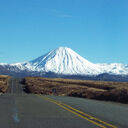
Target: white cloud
column 60, row 14
column 65, row 15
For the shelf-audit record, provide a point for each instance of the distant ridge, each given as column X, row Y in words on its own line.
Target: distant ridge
column 63, row 61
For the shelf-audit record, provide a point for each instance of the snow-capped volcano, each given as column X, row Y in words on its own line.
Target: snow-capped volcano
column 63, row 60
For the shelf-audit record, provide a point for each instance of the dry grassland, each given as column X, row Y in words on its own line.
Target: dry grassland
column 4, row 83
column 101, row 90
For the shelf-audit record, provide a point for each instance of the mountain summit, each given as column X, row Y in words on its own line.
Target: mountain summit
column 63, row 60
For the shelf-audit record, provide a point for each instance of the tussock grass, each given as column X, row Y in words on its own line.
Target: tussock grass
column 4, row 83
column 101, row 90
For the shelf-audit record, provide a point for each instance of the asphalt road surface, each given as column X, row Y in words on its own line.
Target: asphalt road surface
column 21, row 110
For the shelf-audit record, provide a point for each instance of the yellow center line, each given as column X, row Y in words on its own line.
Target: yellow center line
column 110, row 125
column 78, row 113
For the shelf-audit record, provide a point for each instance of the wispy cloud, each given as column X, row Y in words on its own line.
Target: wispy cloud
column 61, row 14
column 65, row 16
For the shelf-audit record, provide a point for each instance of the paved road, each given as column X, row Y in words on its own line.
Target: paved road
column 21, row 110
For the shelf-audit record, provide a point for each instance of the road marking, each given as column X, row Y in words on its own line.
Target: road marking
column 90, row 117
column 15, row 117
column 15, row 114
column 83, row 115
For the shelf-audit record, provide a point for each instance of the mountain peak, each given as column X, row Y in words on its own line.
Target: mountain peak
column 63, row 60
column 63, row 49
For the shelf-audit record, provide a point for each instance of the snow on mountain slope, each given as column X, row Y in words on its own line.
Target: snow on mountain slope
column 16, row 65
column 114, row 68
column 63, row 60
column 13, row 67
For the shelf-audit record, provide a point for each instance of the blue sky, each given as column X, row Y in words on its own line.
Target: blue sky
column 95, row 29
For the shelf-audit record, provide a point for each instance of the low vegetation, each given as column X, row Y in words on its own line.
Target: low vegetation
column 3, row 83
column 101, row 90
